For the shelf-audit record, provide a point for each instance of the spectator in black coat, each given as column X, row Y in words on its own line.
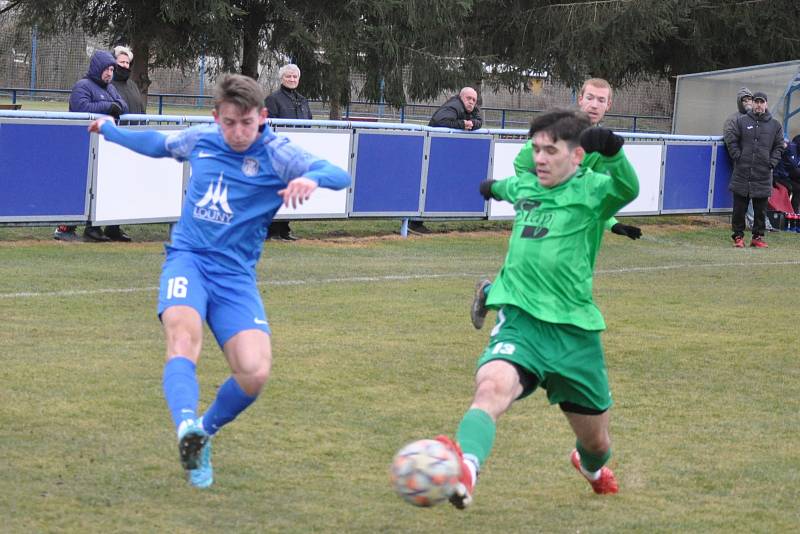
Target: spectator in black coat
column 286, row 103
column 459, row 112
column 755, row 146
column 129, row 91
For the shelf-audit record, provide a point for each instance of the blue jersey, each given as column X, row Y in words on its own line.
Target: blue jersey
column 231, row 196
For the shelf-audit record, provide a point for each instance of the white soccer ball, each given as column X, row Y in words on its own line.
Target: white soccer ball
column 425, row 472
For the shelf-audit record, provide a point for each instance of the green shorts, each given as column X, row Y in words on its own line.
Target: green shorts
column 565, row 360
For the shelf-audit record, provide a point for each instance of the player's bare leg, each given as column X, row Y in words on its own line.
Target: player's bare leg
column 593, row 437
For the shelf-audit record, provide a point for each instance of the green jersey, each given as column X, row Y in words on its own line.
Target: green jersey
column 555, row 238
column 593, row 160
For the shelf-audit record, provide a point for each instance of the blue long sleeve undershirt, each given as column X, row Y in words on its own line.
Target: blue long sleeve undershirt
column 148, row 142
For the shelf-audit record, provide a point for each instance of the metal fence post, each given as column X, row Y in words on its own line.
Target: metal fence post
column 34, row 46
column 199, row 101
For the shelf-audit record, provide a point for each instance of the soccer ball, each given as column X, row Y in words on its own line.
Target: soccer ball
column 425, row 472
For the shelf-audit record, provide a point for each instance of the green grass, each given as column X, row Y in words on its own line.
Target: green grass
column 372, row 349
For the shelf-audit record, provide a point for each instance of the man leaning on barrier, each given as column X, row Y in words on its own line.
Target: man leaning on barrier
column 94, row 93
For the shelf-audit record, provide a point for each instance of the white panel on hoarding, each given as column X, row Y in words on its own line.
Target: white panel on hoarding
column 331, row 146
column 133, row 187
column 504, row 156
column 646, row 159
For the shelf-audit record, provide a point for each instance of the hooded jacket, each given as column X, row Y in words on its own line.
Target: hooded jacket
column 755, row 147
column 730, row 122
column 91, row 94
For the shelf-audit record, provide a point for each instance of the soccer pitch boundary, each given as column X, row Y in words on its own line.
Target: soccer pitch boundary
column 388, row 278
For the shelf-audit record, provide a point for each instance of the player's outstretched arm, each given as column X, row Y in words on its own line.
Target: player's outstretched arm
column 327, row 175
column 148, row 142
column 624, row 184
column 320, row 174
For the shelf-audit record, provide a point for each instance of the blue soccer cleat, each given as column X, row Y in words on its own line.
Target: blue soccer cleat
column 191, row 440
column 203, row 476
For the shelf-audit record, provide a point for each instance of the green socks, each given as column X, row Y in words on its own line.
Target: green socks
column 592, row 462
column 476, row 434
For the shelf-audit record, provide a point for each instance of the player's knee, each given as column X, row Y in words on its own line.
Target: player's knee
column 254, row 378
column 598, row 443
column 493, row 395
column 182, row 342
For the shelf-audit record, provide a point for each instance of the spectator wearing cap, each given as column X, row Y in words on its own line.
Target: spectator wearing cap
column 755, row 145
column 744, row 103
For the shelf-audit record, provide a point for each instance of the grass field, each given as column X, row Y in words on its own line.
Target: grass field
column 373, row 348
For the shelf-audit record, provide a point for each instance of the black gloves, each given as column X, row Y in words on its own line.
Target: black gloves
column 115, row 111
column 601, row 140
column 486, row 188
column 634, row 232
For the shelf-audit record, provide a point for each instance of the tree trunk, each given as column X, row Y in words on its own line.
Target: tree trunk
column 141, row 66
column 250, row 55
column 256, row 19
column 478, row 85
column 336, row 109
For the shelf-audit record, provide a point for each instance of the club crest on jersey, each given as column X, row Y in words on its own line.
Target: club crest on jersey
column 213, row 207
column 250, row 166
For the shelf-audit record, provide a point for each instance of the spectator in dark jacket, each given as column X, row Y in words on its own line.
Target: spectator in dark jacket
column 755, row 146
column 129, row 91
column 94, row 93
column 459, row 112
column 787, row 172
column 744, row 103
column 123, row 83
column 286, row 103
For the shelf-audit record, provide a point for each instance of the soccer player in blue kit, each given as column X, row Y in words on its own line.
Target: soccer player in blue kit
column 241, row 174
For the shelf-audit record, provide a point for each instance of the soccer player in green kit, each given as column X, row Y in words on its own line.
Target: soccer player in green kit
column 595, row 98
column 548, row 328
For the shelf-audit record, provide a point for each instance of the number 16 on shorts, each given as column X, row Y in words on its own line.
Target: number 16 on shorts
column 176, row 287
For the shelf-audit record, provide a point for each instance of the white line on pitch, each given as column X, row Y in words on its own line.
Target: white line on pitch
column 385, row 278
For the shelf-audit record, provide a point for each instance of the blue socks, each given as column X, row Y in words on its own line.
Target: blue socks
column 181, row 389
column 231, row 401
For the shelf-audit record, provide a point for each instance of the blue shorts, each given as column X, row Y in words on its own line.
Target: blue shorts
column 228, row 302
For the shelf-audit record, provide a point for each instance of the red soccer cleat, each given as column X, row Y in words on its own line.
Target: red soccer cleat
column 606, row 484
column 462, row 495
column 738, row 242
column 758, row 242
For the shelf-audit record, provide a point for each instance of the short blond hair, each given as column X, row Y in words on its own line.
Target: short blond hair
column 598, row 82
column 122, row 49
column 242, row 91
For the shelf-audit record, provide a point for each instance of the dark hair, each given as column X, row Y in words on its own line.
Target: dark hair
column 242, row 91
column 561, row 124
